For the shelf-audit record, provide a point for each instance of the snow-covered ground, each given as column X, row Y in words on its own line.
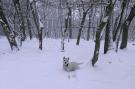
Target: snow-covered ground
column 31, row 68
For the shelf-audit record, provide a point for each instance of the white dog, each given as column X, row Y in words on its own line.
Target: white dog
column 70, row 66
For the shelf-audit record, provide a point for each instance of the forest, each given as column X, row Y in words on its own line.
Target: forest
column 92, row 30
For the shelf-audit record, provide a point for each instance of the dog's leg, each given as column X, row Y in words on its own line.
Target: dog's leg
column 69, row 75
column 74, row 74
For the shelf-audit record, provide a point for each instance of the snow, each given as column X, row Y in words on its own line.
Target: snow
column 31, row 68
column 40, row 23
column 1, row 21
column 105, row 19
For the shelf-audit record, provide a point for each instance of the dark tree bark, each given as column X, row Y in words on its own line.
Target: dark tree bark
column 97, row 45
column 21, row 18
column 108, row 12
column 40, row 32
column 88, row 30
column 115, row 26
column 70, row 22
column 123, row 6
column 6, row 29
column 29, row 28
column 120, row 25
column 108, row 31
column 126, row 27
column 28, row 20
column 107, row 37
column 81, row 26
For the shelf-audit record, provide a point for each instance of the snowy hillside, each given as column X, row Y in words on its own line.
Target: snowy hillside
column 31, row 68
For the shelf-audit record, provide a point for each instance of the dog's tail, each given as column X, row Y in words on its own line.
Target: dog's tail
column 80, row 63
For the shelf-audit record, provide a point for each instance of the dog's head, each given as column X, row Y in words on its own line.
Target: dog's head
column 65, row 60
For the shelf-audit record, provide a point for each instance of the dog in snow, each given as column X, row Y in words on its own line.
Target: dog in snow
column 70, row 66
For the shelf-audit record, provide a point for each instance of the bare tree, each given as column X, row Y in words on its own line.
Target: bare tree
column 102, row 25
column 123, row 6
column 120, row 24
column 89, row 25
column 6, row 29
column 108, row 33
column 125, row 28
column 85, row 11
column 28, row 19
column 37, row 21
column 19, row 13
column 69, row 20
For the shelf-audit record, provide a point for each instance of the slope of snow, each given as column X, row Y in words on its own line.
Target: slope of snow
column 31, row 68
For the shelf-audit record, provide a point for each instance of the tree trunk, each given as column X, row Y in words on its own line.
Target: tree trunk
column 108, row 12
column 81, row 27
column 6, row 29
column 28, row 20
column 21, row 18
column 70, row 22
column 115, row 27
column 124, row 3
column 37, row 22
column 40, row 34
column 29, row 28
column 63, row 34
column 97, row 42
column 88, row 31
column 107, row 37
column 118, row 39
column 126, row 27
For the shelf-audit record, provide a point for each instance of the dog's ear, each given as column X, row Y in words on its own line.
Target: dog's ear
column 68, row 58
